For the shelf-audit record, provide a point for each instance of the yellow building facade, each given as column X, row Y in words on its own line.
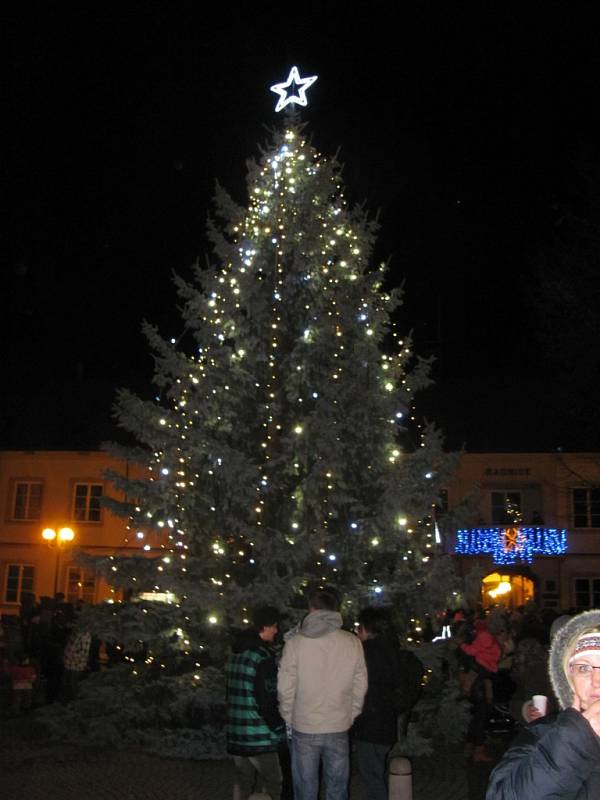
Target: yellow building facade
column 541, row 512
column 510, row 497
column 57, row 491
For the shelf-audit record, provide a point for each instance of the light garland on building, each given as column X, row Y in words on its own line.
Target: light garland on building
column 511, row 545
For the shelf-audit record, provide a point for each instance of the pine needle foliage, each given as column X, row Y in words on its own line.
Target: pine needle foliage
column 282, row 449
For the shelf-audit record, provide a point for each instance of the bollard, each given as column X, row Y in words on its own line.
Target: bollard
column 400, row 779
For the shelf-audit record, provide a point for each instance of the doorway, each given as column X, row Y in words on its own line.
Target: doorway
column 508, row 590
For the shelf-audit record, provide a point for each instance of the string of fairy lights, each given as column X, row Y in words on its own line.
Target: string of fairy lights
column 511, row 545
column 297, row 257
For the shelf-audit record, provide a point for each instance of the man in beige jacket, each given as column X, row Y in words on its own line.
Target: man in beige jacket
column 321, row 686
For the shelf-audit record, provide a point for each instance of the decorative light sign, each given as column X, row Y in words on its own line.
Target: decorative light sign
column 158, row 597
column 510, row 545
column 293, row 90
column 445, row 634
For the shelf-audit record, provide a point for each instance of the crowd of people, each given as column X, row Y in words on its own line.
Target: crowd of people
column 44, row 656
column 289, row 719
column 293, row 718
column 295, row 713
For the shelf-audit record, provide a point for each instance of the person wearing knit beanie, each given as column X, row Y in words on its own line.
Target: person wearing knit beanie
column 558, row 756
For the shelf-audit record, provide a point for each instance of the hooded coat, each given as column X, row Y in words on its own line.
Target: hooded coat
column 558, row 756
column 485, row 648
column 322, row 677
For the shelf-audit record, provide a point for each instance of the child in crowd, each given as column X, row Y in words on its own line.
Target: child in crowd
column 23, row 676
column 479, row 658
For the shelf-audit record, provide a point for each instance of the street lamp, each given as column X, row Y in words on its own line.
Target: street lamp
column 57, row 539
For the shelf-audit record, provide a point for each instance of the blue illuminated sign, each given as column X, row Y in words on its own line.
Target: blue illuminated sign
column 512, row 544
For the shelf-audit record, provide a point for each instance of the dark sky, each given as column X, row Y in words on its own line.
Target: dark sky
column 466, row 131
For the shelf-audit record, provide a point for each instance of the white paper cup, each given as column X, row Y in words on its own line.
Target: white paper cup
column 540, row 701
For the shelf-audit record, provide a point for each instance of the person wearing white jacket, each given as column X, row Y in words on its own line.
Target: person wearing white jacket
column 321, row 686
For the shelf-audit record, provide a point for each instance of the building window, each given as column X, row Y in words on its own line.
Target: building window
column 586, row 508
column 506, row 508
column 27, row 501
column 81, row 585
column 19, row 579
column 87, row 502
column 587, row 593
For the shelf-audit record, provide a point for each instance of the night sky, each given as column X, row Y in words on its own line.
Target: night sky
column 467, row 132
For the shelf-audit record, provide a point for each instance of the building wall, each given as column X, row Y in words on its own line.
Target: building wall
column 53, row 489
column 546, row 483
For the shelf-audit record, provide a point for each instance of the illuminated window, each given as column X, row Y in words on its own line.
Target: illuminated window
column 19, row 579
column 586, row 508
column 27, row 500
column 506, row 508
column 587, row 593
column 87, row 502
column 81, row 585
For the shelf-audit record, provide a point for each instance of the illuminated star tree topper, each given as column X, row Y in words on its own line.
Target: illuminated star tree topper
column 293, row 90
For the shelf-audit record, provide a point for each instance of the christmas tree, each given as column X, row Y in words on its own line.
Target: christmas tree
column 283, row 448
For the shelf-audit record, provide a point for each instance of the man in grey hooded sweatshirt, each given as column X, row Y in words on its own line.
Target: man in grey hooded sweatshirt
column 321, row 686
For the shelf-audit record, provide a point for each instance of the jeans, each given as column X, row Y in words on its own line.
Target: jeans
column 245, row 775
column 308, row 751
column 371, row 760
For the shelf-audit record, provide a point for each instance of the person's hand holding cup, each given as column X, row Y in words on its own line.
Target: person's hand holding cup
column 540, row 703
column 535, row 708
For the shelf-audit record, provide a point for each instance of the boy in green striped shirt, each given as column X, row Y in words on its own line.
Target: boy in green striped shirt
column 254, row 728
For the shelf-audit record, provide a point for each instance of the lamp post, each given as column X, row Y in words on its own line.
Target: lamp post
column 57, row 539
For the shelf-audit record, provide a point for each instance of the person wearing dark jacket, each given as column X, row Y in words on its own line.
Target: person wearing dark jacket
column 394, row 682
column 254, row 729
column 558, row 756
